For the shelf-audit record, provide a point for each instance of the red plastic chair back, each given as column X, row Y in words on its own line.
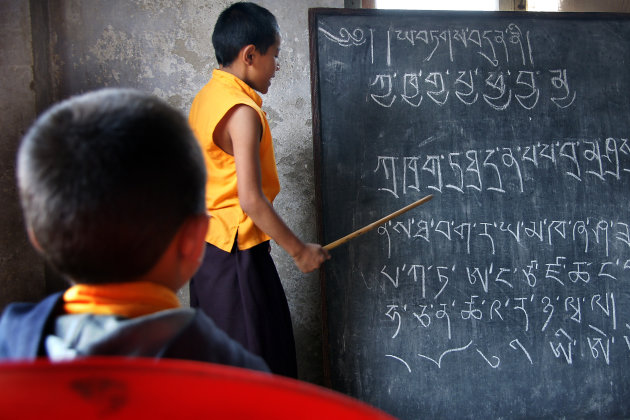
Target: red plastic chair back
column 126, row 388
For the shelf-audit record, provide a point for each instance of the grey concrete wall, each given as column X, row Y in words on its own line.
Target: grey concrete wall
column 614, row 6
column 21, row 271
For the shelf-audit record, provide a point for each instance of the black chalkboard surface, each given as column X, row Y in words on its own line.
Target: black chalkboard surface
column 508, row 294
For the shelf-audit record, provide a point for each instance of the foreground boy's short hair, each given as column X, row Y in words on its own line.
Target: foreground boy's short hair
column 240, row 25
column 105, row 181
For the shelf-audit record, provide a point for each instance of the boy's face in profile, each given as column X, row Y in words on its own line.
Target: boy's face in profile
column 265, row 67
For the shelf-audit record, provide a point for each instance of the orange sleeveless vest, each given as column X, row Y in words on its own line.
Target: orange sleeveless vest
column 215, row 99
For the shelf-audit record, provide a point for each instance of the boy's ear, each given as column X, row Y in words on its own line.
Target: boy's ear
column 33, row 239
column 247, row 54
column 193, row 237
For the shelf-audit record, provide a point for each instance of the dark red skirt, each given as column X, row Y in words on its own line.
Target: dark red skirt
column 242, row 293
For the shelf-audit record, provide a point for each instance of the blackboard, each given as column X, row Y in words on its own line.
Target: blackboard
column 508, row 294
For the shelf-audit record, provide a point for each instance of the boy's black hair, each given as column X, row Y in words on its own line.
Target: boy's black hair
column 242, row 24
column 106, row 179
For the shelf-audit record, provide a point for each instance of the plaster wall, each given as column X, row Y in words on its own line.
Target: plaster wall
column 21, row 271
column 613, row 6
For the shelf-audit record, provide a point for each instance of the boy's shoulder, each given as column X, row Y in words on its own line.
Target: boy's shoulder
column 22, row 326
column 217, row 98
column 194, row 336
column 202, row 340
column 226, row 88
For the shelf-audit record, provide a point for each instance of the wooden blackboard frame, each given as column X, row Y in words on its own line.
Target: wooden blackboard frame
column 314, row 16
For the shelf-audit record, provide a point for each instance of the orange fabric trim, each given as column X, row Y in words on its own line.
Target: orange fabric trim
column 125, row 299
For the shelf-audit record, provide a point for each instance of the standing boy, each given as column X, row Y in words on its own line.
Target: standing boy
column 112, row 185
column 237, row 284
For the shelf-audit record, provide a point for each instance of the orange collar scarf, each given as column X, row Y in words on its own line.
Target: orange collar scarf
column 129, row 300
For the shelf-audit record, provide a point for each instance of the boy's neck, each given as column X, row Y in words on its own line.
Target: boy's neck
column 234, row 70
column 238, row 71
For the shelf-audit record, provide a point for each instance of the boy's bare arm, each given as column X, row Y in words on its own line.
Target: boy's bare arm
column 244, row 131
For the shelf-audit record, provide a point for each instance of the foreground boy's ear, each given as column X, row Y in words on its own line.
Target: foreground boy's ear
column 33, row 239
column 192, row 237
column 182, row 256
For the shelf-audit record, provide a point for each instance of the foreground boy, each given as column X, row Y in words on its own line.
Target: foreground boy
column 237, row 284
column 112, row 185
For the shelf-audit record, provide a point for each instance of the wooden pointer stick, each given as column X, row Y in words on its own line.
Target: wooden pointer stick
column 377, row 223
